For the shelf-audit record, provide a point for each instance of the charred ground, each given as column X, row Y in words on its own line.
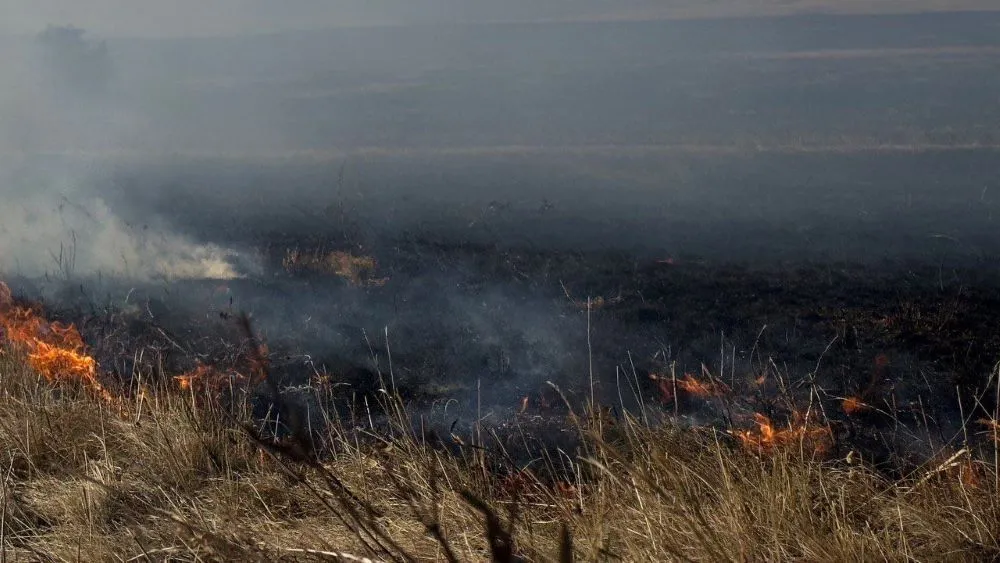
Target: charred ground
column 863, row 274
column 479, row 335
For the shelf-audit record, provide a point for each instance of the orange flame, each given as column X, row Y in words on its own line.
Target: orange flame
column 666, row 391
column 191, row 379
column 55, row 350
column 688, row 384
column 702, row 388
column 767, row 438
column 665, row 385
column 204, row 378
column 853, row 405
column 970, row 474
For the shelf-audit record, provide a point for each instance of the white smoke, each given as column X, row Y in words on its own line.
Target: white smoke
column 51, row 221
column 45, row 229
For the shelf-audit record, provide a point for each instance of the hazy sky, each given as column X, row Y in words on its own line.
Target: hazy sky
column 201, row 17
column 227, row 17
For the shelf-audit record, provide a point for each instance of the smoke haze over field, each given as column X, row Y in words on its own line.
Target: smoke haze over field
column 50, row 226
column 53, row 96
column 149, row 18
column 169, row 152
column 497, row 174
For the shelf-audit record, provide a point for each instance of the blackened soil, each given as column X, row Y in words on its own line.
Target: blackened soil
column 501, row 337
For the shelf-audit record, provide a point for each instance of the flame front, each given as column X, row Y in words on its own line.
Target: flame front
column 689, row 385
column 702, row 388
column 55, row 350
column 193, row 378
column 206, row 378
column 767, row 438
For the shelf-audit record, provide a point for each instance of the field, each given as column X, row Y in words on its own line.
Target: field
column 655, row 408
column 159, row 473
column 686, row 290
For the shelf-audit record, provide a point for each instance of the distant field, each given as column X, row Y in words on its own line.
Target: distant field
column 837, row 83
column 770, row 8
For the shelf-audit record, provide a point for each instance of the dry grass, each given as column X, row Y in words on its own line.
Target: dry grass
column 164, row 477
column 357, row 270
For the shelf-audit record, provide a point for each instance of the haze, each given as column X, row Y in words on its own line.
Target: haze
column 610, row 125
column 153, row 18
column 168, row 150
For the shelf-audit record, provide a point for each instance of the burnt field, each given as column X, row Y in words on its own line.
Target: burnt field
column 800, row 209
column 505, row 289
column 643, row 290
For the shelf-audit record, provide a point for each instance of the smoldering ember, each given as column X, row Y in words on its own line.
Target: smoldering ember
column 501, row 283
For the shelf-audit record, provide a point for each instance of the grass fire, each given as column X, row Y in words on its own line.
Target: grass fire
column 767, row 438
column 54, row 350
column 519, row 281
column 214, row 478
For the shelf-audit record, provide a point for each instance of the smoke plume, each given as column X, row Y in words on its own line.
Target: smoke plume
column 58, row 96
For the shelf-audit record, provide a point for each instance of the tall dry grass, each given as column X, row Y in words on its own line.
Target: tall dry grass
column 167, row 476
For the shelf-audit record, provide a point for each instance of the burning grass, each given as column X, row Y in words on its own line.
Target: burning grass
column 799, row 433
column 670, row 387
column 54, row 350
column 166, row 478
column 176, row 482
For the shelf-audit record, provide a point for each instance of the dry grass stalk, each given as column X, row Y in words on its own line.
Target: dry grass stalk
column 167, row 478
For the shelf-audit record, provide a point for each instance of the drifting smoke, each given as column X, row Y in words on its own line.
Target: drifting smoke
column 47, row 232
column 58, row 94
column 462, row 190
